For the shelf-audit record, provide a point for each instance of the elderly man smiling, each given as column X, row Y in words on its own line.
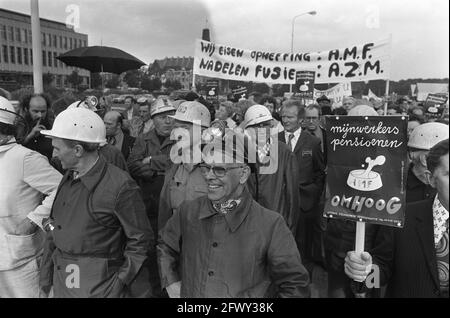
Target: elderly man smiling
column 231, row 245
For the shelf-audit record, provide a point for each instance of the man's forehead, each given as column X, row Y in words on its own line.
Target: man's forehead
column 38, row 101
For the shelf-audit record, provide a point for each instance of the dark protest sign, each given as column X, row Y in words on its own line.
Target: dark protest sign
column 212, row 91
column 239, row 92
column 367, row 166
column 304, row 84
column 436, row 99
column 363, row 62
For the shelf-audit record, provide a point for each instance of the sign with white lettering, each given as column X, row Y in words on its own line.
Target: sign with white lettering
column 367, row 168
column 304, row 84
column 362, row 62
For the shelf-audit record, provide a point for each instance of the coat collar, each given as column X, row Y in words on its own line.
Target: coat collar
column 92, row 177
column 234, row 219
column 11, row 144
column 425, row 231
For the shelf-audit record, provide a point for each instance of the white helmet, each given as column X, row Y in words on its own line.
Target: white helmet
column 161, row 105
column 193, row 111
column 7, row 112
column 257, row 114
column 427, row 135
column 362, row 110
column 78, row 124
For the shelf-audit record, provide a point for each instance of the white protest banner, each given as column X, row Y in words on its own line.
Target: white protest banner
column 335, row 93
column 362, row 62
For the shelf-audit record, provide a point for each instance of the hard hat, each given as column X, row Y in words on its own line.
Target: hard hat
column 78, row 124
column 142, row 100
column 7, row 112
column 256, row 114
column 161, row 105
column 362, row 110
column 427, row 135
column 193, row 111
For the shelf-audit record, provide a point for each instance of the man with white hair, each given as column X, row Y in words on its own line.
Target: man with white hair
column 25, row 178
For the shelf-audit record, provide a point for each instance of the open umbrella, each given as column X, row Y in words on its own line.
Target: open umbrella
column 101, row 59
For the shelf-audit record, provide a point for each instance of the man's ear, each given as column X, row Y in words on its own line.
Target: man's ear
column 245, row 175
column 79, row 151
column 423, row 158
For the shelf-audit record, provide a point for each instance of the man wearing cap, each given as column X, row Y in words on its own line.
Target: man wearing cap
column 224, row 244
column 99, row 235
column 275, row 183
column 184, row 181
column 421, row 140
column 27, row 189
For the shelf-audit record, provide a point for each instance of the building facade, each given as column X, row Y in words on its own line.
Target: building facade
column 16, row 55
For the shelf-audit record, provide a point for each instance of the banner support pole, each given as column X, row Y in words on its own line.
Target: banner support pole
column 386, row 101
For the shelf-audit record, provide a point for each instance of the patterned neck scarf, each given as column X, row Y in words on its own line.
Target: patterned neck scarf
column 440, row 217
column 264, row 152
column 227, row 206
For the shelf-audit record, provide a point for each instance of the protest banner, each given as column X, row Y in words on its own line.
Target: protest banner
column 304, row 84
column 239, row 92
column 362, row 62
column 436, row 99
column 212, row 91
column 367, row 165
column 335, row 93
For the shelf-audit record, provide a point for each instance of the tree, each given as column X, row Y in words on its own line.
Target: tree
column 132, row 78
column 174, row 84
column 113, row 82
column 151, row 84
column 96, row 80
column 74, row 79
column 47, row 79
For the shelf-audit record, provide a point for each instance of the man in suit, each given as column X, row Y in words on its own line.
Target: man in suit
column 414, row 260
column 115, row 136
column 310, row 160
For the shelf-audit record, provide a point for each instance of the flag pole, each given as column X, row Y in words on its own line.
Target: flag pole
column 38, row 84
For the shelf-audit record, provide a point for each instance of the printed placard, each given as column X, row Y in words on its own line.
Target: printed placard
column 367, row 168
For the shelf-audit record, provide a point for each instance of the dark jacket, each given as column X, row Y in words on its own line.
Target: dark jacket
column 311, row 167
column 248, row 252
column 127, row 145
column 109, row 241
column 279, row 191
column 416, row 190
column 150, row 177
column 412, row 269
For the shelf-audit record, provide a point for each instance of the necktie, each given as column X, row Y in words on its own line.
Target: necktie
column 112, row 140
column 440, row 216
column 290, row 137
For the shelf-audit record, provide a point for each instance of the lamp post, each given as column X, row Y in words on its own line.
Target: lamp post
column 292, row 36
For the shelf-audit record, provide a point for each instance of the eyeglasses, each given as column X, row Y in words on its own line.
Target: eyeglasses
column 219, row 172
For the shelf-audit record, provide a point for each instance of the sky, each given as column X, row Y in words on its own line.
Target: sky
column 154, row 29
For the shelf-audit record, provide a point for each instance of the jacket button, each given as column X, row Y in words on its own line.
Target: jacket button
column 59, row 227
column 58, row 267
column 215, row 244
column 211, row 273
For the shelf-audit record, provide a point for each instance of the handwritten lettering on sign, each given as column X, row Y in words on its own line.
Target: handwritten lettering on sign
column 356, row 63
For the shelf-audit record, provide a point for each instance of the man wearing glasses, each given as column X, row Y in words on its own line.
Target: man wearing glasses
column 421, row 140
column 231, row 246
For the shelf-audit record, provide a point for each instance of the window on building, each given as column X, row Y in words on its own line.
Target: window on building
column 74, row 43
column 55, row 41
column 49, row 40
column 31, row 56
column 11, row 34
column 60, row 42
column 65, row 43
column 30, row 39
column 70, row 43
column 80, row 44
column 50, row 59
column 18, row 38
column 25, row 56
column 24, row 35
column 55, row 61
column 44, row 58
column 3, row 32
column 19, row 55
column 43, row 39
column 12, row 54
column 5, row 54
column 84, row 43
